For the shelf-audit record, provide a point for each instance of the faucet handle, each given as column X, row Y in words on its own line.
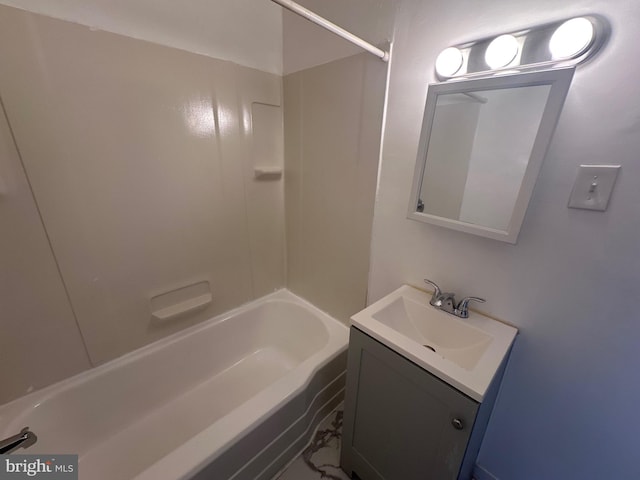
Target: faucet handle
column 463, row 307
column 436, row 288
column 437, row 293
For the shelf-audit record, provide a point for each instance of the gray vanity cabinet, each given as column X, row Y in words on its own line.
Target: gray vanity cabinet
column 400, row 421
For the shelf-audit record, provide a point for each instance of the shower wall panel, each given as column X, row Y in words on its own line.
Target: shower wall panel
column 141, row 159
column 40, row 342
column 333, row 121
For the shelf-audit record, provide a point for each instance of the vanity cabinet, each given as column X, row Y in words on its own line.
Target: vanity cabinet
column 402, row 422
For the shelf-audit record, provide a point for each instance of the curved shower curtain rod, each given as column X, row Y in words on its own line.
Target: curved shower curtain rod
column 332, row 27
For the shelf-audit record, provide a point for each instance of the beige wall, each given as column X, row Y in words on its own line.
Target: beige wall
column 333, row 97
column 307, row 45
column 448, row 154
column 39, row 340
column 333, row 118
column 141, row 162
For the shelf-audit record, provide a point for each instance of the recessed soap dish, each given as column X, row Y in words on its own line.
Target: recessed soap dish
column 181, row 301
column 267, row 173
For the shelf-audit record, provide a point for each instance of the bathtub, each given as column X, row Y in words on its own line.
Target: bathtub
column 235, row 397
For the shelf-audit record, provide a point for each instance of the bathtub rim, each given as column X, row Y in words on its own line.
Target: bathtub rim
column 191, row 457
column 21, row 406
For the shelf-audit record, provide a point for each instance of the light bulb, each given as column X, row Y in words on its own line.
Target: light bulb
column 501, row 51
column 571, row 38
column 449, row 62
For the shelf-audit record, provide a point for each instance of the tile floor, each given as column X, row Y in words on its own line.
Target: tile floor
column 321, row 458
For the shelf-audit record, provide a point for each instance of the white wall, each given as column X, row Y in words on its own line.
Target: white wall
column 247, row 32
column 507, row 128
column 568, row 404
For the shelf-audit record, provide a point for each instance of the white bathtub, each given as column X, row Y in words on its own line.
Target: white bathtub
column 234, row 397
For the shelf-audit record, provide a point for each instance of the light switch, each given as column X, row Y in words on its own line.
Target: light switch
column 593, row 186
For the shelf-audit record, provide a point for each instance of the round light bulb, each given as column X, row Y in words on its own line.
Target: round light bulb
column 449, row 62
column 571, row 38
column 501, row 51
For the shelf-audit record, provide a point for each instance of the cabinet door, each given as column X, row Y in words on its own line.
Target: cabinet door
column 401, row 422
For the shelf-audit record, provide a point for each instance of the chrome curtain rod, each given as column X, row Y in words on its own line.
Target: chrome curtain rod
column 332, row 27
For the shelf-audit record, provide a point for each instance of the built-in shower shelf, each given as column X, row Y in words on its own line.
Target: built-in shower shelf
column 267, row 173
column 181, row 301
column 183, row 307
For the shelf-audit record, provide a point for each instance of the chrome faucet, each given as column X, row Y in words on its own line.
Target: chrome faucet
column 24, row 439
column 446, row 301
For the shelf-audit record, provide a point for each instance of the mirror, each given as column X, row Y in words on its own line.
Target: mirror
column 481, row 148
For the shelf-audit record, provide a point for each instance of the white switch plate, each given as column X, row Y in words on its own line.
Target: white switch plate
column 593, row 186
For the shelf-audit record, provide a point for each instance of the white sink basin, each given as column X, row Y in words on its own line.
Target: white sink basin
column 466, row 353
column 450, row 337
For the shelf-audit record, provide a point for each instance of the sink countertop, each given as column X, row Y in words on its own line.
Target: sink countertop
column 468, row 352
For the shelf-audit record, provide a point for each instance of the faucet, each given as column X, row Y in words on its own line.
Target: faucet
column 24, row 439
column 446, row 301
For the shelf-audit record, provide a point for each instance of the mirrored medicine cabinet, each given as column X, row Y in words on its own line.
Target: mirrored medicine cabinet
column 482, row 145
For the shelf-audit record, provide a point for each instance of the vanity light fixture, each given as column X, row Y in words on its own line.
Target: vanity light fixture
column 562, row 43
column 449, row 62
column 571, row 38
column 501, row 51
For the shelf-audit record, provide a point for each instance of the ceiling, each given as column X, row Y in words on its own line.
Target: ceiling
column 247, row 32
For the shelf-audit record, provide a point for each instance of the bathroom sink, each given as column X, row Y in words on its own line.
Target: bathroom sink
column 466, row 353
column 450, row 337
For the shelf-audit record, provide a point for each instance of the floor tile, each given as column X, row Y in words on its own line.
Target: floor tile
column 321, row 458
